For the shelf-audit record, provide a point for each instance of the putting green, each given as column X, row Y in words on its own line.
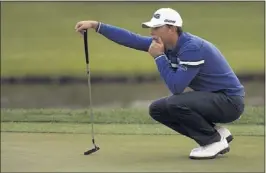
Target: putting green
column 64, row 152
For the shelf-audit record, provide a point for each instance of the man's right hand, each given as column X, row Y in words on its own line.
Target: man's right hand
column 84, row 25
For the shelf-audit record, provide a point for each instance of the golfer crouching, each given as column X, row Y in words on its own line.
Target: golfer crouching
column 186, row 60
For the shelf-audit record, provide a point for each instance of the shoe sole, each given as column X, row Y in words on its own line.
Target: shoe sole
column 226, row 150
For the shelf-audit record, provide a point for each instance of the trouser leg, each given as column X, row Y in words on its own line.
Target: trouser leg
column 194, row 113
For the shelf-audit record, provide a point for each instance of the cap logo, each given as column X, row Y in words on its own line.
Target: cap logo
column 169, row 21
column 156, row 16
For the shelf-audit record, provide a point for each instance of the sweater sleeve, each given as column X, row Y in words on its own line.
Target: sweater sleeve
column 124, row 37
column 188, row 67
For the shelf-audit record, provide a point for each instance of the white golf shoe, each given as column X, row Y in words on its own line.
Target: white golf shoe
column 225, row 133
column 210, row 151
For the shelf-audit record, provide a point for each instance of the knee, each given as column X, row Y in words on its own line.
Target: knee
column 156, row 109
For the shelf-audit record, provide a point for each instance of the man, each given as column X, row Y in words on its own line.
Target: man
column 185, row 60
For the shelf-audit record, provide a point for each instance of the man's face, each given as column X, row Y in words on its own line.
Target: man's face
column 165, row 32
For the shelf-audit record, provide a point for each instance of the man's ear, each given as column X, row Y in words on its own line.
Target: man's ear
column 172, row 28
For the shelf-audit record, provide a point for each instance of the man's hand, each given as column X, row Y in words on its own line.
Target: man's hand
column 84, row 25
column 156, row 47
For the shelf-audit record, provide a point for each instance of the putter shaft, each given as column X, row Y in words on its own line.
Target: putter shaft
column 90, row 97
column 90, row 104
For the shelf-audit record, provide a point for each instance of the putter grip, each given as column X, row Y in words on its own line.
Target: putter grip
column 85, row 37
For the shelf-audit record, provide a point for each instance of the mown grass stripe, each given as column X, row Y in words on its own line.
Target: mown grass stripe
column 117, row 129
column 252, row 115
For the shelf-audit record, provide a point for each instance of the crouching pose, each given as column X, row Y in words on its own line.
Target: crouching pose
column 186, row 60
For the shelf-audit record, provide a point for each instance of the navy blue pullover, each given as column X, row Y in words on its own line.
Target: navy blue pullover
column 194, row 62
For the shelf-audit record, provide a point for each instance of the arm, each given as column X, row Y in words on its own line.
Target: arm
column 178, row 80
column 124, row 37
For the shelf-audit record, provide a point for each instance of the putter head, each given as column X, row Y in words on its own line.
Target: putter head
column 91, row 151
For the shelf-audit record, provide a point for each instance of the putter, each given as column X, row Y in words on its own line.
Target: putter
column 96, row 148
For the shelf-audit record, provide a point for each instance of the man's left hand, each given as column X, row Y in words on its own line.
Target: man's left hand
column 156, row 47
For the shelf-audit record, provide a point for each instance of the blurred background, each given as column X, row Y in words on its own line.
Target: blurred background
column 43, row 62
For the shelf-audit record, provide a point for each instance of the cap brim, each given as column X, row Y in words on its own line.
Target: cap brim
column 151, row 24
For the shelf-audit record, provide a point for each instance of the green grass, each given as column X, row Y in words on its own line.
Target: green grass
column 252, row 115
column 55, row 139
column 116, row 129
column 38, row 38
column 109, row 121
column 21, row 152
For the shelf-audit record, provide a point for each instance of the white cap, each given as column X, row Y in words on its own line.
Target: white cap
column 162, row 17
